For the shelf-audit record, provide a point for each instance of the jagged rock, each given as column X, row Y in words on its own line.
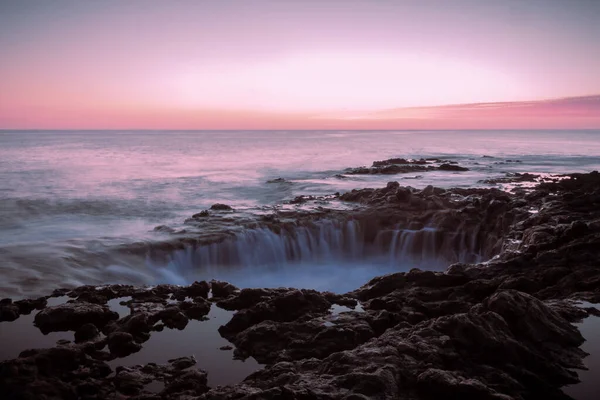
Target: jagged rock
column 196, row 310
column 173, row 318
column 121, row 344
column 222, row 289
column 130, row 381
column 191, row 383
column 388, row 169
column 26, row 306
column 247, row 298
column 513, row 178
column 86, row 332
column 436, row 383
column 498, row 330
column 8, row 310
column 530, row 318
column 71, row 316
column 56, row 373
column 198, row 289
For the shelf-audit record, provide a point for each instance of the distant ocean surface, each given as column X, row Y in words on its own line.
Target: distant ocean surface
column 68, row 197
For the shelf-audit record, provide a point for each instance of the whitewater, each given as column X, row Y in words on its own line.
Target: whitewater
column 72, row 201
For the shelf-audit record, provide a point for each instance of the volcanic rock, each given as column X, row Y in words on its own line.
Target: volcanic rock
column 121, row 344
column 71, row 316
column 495, row 330
column 221, row 207
column 222, row 289
column 452, row 167
column 86, row 332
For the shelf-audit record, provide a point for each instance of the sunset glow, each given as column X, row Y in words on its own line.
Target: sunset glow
column 290, row 65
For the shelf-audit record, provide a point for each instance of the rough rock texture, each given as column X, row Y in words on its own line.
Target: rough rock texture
column 394, row 166
column 496, row 330
column 70, row 316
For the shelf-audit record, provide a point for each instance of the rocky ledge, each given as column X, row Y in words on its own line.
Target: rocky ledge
column 495, row 330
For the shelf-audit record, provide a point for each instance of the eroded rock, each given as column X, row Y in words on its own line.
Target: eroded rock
column 499, row 330
column 71, row 316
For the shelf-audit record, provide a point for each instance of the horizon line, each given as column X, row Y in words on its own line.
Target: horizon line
column 4, row 130
column 564, row 113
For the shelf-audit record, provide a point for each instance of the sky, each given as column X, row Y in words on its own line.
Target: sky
column 287, row 64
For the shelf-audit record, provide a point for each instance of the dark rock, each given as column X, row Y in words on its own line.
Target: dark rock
column 247, row 298
column 196, row 289
column 221, row 207
column 301, row 199
column 497, row 330
column 71, row 316
column 182, row 362
column 222, row 289
column 436, row 383
column 130, row 381
column 121, row 344
column 26, row 306
column 529, row 318
column 278, row 180
column 8, row 311
column 451, row 167
column 173, row 318
column 201, row 214
column 196, row 310
column 192, row 383
column 86, row 332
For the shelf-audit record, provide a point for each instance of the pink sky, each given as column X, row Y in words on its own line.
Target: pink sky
column 266, row 64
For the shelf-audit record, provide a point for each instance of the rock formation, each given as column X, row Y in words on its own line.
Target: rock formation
column 501, row 329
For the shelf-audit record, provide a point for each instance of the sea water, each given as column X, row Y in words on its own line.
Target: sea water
column 68, row 197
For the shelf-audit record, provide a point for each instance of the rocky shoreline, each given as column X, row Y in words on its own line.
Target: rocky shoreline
column 500, row 329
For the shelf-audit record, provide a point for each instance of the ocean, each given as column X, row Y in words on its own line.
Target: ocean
column 69, row 198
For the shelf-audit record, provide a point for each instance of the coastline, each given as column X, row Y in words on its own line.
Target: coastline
column 496, row 329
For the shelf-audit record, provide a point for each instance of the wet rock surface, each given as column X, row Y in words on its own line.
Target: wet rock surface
column 502, row 329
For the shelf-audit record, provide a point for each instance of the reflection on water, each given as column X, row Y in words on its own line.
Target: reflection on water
column 21, row 334
column 589, row 388
column 200, row 339
column 115, row 305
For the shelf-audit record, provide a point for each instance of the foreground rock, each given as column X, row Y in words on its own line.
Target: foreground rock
column 499, row 330
column 71, row 316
